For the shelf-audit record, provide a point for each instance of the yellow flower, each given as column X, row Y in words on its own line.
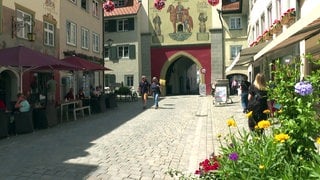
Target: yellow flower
column 231, row 122
column 249, row 114
column 267, row 111
column 318, row 140
column 281, row 137
column 261, row 166
column 264, row 124
column 280, row 111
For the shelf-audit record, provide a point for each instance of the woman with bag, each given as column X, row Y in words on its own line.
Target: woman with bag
column 155, row 87
column 258, row 101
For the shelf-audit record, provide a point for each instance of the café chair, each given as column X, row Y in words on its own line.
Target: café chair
column 23, row 122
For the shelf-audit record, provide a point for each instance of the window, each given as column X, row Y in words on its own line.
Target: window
column 48, row 34
column 269, row 20
column 128, row 79
column 95, row 8
column 23, row 24
column 235, row 23
column 106, row 52
column 84, row 38
column 109, row 79
column 84, row 4
column 119, row 25
column 122, row 25
column 95, row 42
column 235, row 50
column 119, row 3
column 278, row 10
column 123, row 51
column 257, row 30
column 263, row 24
column 71, row 33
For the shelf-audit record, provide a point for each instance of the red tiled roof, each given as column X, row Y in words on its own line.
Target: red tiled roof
column 128, row 10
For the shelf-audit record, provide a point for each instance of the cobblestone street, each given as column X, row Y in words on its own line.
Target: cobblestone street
column 126, row 142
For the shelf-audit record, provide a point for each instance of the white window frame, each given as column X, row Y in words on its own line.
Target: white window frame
column 95, row 8
column 23, row 24
column 49, row 33
column 129, row 79
column 122, row 25
column 85, row 38
column 71, row 30
column 235, row 23
column 123, row 51
column 95, row 42
column 234, row 51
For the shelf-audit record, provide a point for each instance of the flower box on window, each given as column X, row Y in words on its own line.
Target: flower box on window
column 267, row 35
column 276, row 27
column 288, row 17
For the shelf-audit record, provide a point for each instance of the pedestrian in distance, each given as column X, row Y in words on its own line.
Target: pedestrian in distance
column 244, row 87
column 258, row 101
column 155, row 87
column 144, row 89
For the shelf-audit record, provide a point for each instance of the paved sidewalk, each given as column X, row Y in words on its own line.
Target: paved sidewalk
column 123, row 143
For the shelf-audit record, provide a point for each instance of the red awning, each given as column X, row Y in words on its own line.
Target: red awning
column 85, row 65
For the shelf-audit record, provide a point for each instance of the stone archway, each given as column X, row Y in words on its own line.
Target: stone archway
column 180, row 74
column 8, row 85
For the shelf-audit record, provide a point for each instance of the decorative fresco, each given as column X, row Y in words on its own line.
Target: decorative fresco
column 181, row 21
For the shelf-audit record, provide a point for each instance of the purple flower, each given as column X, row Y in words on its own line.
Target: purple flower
column 234, row 156
column 303, row 88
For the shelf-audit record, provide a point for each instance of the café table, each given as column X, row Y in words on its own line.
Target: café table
column 65, row 105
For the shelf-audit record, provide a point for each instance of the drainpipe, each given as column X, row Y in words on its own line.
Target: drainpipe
column 223, row 44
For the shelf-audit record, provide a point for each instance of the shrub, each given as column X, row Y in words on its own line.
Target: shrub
column 286, row 147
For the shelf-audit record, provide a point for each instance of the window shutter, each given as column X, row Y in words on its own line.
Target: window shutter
column 111, row 26
column 131, row 24
column 113, row 53
column 132, row 51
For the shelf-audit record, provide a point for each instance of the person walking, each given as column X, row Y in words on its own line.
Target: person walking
column 258, row 101
column 244, row 87
column 155, row 87
column 144, row 89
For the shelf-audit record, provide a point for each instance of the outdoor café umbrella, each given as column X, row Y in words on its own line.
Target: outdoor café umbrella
column 22, row 59
column 85, row 65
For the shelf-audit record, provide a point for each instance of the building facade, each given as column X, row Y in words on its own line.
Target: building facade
column 281, row 29
column 180, row 44
column 56, row 28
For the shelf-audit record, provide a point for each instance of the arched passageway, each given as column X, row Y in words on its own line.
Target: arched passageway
column 182, row 77
column 8, row 87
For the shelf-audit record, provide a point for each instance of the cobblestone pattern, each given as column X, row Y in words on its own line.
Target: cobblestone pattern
column 126, row 143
